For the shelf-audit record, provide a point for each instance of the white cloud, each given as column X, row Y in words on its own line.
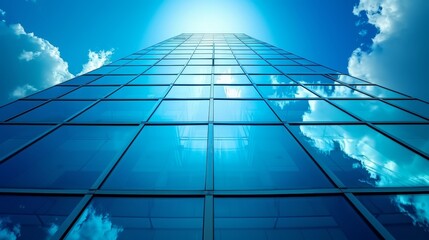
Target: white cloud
column 2, row 12
column 8, row 230
column 96, row 60
column 397, row 57
column 92, row 225
column 28, row 55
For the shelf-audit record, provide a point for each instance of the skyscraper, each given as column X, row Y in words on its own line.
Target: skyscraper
column 214, row 136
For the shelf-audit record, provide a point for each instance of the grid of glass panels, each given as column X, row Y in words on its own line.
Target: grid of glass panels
column 215, row 136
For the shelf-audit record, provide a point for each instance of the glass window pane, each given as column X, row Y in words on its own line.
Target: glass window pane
column 253, row 62
column 140, row 218
column 164, row 70
column 16, row 108
column 172, row 62
column 260, row 70
column 328, row 217
column 90, row 92
column 312, row 79
column 183, row 110
column 200, row 62
column 336, row 91
column 226, row 62
column 189, row 92
column 71, row 157
column 163, row 158
column 404, row 216
column 362, row 157
column 194, row 79
column 309, row 110
column 271, row 79
column 140, row 92
column 379, row 91
column 104, row 70
column 55, row 111
column 113, row 80
column 348, row 79
column 415, row 106
column 84, row 79
column 231, row 79
column 285, row 92
column 33, row 217
column 52, row 92
column 262, row 157
column 295, row 69
column 414, row 135
column 197, row 70
column 117, row 112
column 13, row 137
column 130, row 70
column 154, row 79
column 229, row 91
column 243, row 110
column 228, row 70
column 146, row 62
column 374, row 110
column 283, row 62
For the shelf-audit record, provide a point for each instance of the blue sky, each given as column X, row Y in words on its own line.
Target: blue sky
column 47, row 41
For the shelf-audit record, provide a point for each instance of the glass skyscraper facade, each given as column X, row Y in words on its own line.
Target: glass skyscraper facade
column 214, row 136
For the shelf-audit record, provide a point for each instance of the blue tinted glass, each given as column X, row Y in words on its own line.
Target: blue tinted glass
column 164, row 70
column 130, row 70
column 405, row 216
column 312, row 79
column 72, row 157
column 363, row 157
column 225, row 62
column 80, row 80
column 13, row 137
column 271, row 79
column 288, row 218
column 90, row 92
column 374, row 110
column 253, row 62
column 139, row 92
column 262, row 157
column 183, row 110
column 200, row 62
column 197, row 70
column 143, row 62
column 414, row 135
column 52, row 92
column 348, row 79
column 285, row 92
column 231, row 79
column 33, row 217
column 154, row 79
column 379, row 91
column 336, row 91
column 54, row 111
column 243, row 110
column 140, row 218
column 308, row 110
column 416, row 106
column 294, row 69
column 117, row 112
column 228, row 70
column 104, row 70
column 228, row 91
column 322, row 69
column 172, row 62
column 283, row 62
column 194, row 79
column 17, row 107
column 189, row 92
column 163, row 157
column 260, row 70
column 113, row 80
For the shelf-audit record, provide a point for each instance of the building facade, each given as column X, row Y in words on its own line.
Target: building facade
column 214, row 136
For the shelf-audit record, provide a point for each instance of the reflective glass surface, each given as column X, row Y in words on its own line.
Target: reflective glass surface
column 260, row 70
column 154, row 79
column 288, row 218
column 54, row 111
column 243, row 111
column 295, row 69
column 405, row 216
column 271, row 79
column 71, row 157
column 140, row 92
column 312, row 79
column 231, row 79
column 33, row 217
column 16, row 108
column 90, row 92
column 379, row 91
column 130, row 70
column 84, row 79
column 189, row 92
column 261, row 157
column 285, row 92
column 117, row 112
column 164, row 70
column 52, row 92
column 308, row 110
column 362, row 157
column 194, row 79
column 183, row 110
column 140, row 218
column 414, row 135
column 228, row 70
column 197, row 70
column 348, row 79
column 416, row 106
column 113, row 80
column 228, row 91
column 13, row 137
column 374, row 110
column 335, row 91
column 163, row 157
